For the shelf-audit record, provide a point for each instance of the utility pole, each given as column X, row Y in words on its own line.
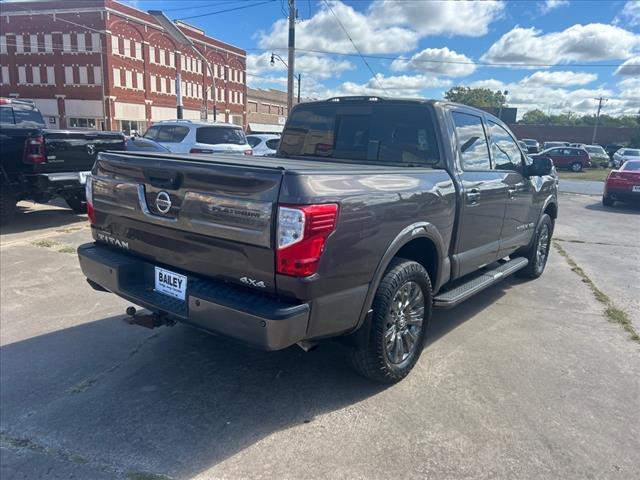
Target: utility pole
column 292, row 46
column 601, row 100
column 299, row 79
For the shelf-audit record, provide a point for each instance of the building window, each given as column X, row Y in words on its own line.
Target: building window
column 33, row 43
column 35, row 73
column 152, row 54
column 153, row 84
column 66, row 42
column 22, row 75
column 126, row 43
column 182, row 62
column 97, row 76
column 116, row 77
column 19, row 44
column 128, row 79
column 68, row 75
column 95, row 42
column 138, row 50
column 199, row 91
column 84, row 79
column 115, row 45
column 51, row 76
column 3, row 44
column 82, row 122
column 172, row 86
column 82, row 46
column 48, row 43
column 172, row 61
column 4, row 75
column 129, row 127
column 162, row 58
column 252, row 107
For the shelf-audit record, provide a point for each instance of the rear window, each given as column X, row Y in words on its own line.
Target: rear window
column 385, row 133
column 273, row 143
column 167, row 133
column 631, row 166
column 630, row 152
column 595, row 150
column 218, row 135
column 21, row 116
column 253, row 141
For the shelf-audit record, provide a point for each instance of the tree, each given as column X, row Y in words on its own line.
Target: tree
column 475, row 97
column 535, row 117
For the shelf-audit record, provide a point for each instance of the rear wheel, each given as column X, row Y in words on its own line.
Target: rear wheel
column 538, row 253
column 7, row 208
column 77, row 203
column 607, row 201
column 401, row 311
column 576, row 167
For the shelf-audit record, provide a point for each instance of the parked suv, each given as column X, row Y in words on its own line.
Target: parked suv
column 189, row 136
column 575, row 159
column 263, row 143
column 532, row 145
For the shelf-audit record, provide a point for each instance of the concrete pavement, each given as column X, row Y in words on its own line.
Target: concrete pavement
column 527, row 380
column 583, row 187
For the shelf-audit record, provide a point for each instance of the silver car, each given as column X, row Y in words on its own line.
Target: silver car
column 624, row 154
column 191, row 136
column 263, row 144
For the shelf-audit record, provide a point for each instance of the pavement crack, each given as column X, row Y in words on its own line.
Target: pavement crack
column 89, row 382
column 612, row 312
column 593, row 243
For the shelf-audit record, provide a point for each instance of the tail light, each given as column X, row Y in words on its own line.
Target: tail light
column 302, row 233
column 34, row 150
column 248, row 152
column 200, row 150
column 88, row 190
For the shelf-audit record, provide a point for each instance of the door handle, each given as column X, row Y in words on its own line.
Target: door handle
column 473, row 194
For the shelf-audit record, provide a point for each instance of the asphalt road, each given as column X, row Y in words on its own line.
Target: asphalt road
column 527, row 380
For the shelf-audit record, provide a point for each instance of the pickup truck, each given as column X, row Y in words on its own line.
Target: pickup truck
column 372, row 212
column 38, row 163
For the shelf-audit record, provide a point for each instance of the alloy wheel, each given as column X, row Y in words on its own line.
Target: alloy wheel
column 404, row 323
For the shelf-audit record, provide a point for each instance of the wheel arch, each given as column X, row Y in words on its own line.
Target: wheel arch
column 420, row 242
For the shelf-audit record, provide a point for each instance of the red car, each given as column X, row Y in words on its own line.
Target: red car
column 623, row 185
column 575, row 159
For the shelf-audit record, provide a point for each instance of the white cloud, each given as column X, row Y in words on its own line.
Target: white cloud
column 433, row 60
column 549, row 5
column 630, row 68
column 393, row 86
column 592, row 42
column 323, row 32
column 630, row 14
column 319, row 67
column 469, row 19
column 560, row 78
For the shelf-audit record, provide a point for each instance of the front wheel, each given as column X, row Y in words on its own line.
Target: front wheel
column 77, row 203
column 538, row 253
column 401, row 311
column 576, row 167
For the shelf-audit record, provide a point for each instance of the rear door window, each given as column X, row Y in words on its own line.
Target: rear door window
column 6, row 116
column 472, row 141
column 27, row 117
column 253, row 141
column 273, row 143
column 220, row 135
column 152, row 133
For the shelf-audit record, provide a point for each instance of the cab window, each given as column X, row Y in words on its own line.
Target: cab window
column 504, row 149
column 472, row 141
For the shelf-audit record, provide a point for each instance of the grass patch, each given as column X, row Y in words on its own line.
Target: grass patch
column 597, row 174
column 44, row 243
column 613, row 313
column 67, row 249
column 146, row 476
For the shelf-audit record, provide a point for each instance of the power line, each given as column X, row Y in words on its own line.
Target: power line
column 374, row 75
column 241, row 7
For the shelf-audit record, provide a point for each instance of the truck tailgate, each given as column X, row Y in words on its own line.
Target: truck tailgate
column 76, row 150
column 213, row 218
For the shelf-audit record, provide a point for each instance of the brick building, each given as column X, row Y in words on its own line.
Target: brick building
column 101, row 64
column 266, row 110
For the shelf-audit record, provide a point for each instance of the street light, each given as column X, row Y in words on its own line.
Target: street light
column 273, row 62
column 502, row 102
column 175, row 33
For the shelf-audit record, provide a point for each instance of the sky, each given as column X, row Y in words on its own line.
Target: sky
column 555, row 55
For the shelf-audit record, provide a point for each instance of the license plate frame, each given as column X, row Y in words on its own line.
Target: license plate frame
column 635, row 188
column 170, row 283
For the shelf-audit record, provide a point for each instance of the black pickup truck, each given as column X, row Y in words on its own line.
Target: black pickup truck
column 372, row 212
column 38, row 163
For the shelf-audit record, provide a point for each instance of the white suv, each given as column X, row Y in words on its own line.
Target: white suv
column 189, row 136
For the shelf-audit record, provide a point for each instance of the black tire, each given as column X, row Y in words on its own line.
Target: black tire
column 372, row 358
column 607, row 201
column 77, row 203
column 7, row 208
column 576, row 167
column 537, row 263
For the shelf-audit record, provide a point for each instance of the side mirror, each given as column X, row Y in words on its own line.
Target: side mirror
column 541, row 166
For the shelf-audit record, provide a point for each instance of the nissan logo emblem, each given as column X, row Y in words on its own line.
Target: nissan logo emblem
column 163, row 202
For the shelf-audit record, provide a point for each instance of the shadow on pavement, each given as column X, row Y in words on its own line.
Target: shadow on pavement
column 618, row 207
column 29, row 219
column 175, row 401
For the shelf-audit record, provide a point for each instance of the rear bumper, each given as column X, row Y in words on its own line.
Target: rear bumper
column 58, row 181
column 252, row 318
column 622, row 194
